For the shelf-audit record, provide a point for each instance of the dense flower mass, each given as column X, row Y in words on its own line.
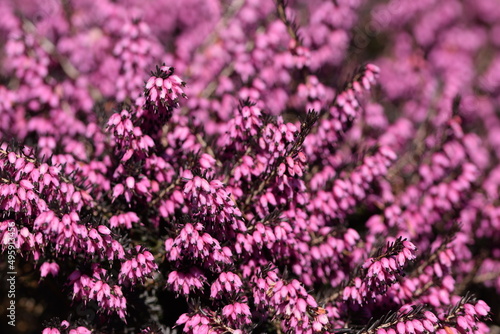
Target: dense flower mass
column 250, row 166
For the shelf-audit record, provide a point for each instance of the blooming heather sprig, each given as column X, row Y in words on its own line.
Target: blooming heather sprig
column 226, row 283
column 124, row 220
column 198, row 323
column 129, row 138
column 192, row 243
column 381, row 271
column 430, row 282
column 338, row 200
column 184, row 283
column 136, row 50
column 294, row 308
column 71, row 236
column 247, row 123
column 66, row 328
column 162, row 93
column 272, row 189
column 237, row 314
column 97, row 287
column 211, row 199
column 139, row 266
column 29, row 186
column 408, row 319
column 463, row 317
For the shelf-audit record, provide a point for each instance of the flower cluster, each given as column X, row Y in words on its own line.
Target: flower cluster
column 308, row 166
column 95, row 287
column 461, row 318
column 296, row 309
column 162, row 93
column 65, row 327
column 226, row 283
column 381, row 271
column 140, row 266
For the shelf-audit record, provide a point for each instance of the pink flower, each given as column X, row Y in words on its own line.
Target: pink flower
column 49, row 268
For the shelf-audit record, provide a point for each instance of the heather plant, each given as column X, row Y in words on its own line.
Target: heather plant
column 250, row 166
